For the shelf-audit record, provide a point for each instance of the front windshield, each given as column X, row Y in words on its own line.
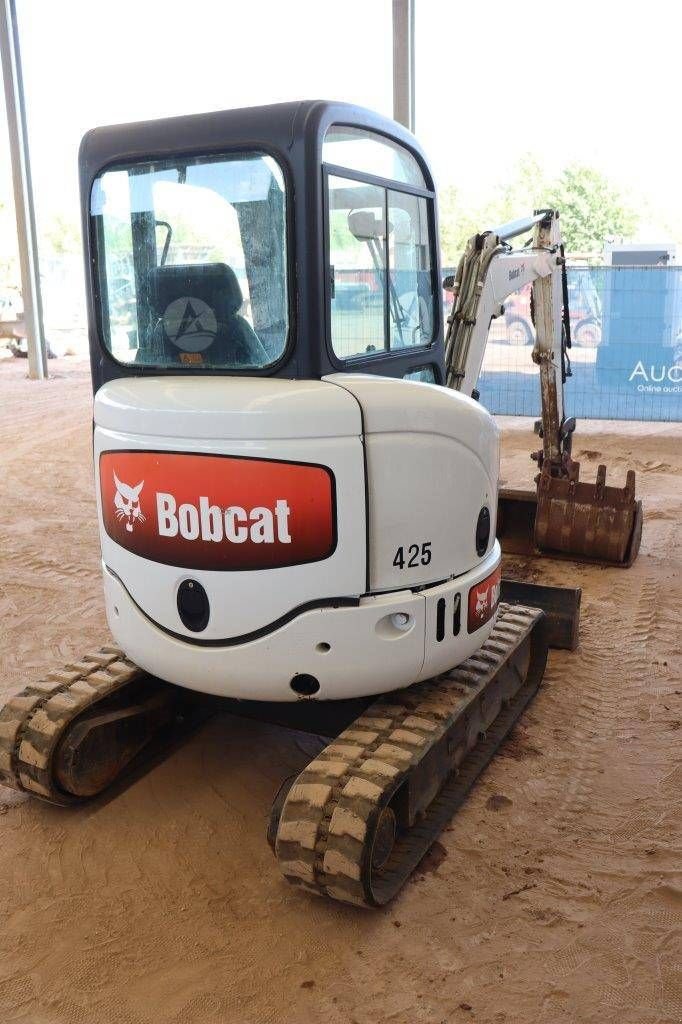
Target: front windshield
column 192, row 261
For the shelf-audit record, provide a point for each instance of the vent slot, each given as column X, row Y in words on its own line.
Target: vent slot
column 457, row 615
column 440, row 619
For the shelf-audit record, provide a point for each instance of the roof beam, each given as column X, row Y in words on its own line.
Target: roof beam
column 403, row 62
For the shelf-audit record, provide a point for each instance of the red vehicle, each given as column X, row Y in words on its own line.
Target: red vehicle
column 584, row 314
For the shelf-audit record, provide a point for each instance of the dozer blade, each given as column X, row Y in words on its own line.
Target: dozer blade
column 357, row 821
column 569, row 518
column 561, row 606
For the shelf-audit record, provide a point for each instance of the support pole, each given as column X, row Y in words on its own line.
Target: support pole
column 403, row 62
column 23, row 192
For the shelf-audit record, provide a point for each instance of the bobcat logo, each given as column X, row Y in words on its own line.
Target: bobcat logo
column 481, row 602
column 127, row 502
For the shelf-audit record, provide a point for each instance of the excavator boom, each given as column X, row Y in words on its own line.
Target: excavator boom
column 564, row 516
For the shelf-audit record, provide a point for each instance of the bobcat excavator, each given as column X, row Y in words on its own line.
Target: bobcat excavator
column 296, row 491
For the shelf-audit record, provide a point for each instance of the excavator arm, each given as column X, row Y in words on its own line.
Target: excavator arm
column 564, row 516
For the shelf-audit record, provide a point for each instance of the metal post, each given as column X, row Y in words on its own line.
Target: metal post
column 23, row 193
column 403, row 62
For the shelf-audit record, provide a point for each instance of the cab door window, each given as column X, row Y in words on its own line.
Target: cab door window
column 380, row 244
column 410, row 277
column 380, row 270
column 357, row 266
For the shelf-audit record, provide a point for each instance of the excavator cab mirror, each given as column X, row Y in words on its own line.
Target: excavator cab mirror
column 367, row 226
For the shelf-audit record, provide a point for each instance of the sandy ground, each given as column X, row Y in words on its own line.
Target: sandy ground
column 561, row 903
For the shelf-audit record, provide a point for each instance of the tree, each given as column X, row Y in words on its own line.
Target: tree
column 591, row 209
column 63, row 235
column 525, row 190
column 460, row 219
column 452, row 232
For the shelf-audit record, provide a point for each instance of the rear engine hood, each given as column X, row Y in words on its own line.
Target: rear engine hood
column 251, row 488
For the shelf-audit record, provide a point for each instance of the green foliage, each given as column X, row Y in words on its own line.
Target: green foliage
column 524, row 191
column 63, row 235
column 591, row 209
column 457, row 223
column 340, row 238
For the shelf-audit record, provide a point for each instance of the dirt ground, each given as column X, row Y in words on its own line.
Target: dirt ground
column 561, row 903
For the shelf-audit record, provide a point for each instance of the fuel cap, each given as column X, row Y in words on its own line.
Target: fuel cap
column 193, row 607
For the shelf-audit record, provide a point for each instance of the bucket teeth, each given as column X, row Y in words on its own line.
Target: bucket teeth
column 570, row 518
column 597, row 522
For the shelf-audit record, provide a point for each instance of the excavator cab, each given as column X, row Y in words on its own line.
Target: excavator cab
column 294, row 240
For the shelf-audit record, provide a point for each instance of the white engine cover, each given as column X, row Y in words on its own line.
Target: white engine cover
column 432, row 462
column 282, row 499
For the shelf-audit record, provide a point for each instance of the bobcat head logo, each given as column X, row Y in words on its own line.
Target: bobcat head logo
column 127, row 502
column 481, row 602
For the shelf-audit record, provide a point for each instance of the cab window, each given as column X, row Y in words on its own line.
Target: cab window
column 191, row 260
column 424, row 374
column 380, row 273
column 360, row 150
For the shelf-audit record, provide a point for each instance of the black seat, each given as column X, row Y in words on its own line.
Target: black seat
column 195, row 318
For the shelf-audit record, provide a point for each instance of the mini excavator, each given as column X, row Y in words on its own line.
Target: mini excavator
column 297, row 489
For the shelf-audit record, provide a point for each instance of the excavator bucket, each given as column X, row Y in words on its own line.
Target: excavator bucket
column 569, row 518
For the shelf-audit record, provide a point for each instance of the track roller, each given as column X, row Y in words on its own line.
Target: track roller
column 356, row 822
column 69, row 736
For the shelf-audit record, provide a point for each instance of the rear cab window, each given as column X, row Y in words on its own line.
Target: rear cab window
column 192, row 262
column 380, row 245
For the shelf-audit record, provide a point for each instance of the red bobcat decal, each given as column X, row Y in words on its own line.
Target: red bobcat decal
column 484, row 598
column 218, row 511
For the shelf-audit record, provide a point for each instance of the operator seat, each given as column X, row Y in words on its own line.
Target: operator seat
column 195, row 315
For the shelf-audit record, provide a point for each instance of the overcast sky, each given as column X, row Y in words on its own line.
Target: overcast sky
column 591, row 80
column 595, row 81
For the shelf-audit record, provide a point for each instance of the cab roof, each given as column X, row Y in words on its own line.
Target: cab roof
column 287, row 130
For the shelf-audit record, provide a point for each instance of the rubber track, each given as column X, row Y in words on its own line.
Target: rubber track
column 33, row 721
column 324, row 838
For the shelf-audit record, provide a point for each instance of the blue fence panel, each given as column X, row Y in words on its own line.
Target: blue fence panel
column 626, row 359
column 626, row 356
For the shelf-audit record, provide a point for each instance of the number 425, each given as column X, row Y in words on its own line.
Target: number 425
column 416, row 554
